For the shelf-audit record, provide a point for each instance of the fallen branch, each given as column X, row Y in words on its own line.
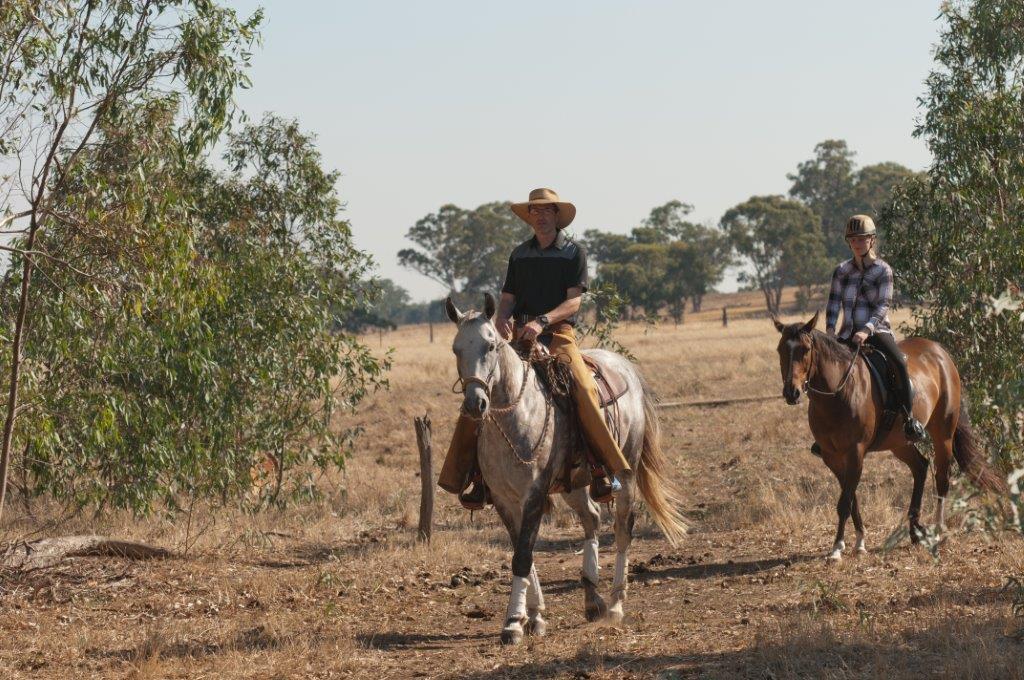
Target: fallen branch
column 46, row 552
column 715, row 402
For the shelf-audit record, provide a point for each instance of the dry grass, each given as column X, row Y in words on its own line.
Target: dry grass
column 342, row 589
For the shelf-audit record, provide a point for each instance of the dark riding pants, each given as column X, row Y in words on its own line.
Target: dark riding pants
column 886, row 344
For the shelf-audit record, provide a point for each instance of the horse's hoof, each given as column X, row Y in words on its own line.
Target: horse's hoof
column 614, row 616
column 537, row 626
column 596, row 610
column 916, row 533
column 861, row 550
column 512, row 635
column 834, row 556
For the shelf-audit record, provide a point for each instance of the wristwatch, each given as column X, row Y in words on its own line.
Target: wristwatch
column 543, row 320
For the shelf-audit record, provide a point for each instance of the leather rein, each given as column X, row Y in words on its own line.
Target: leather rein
column 461, row 384
column 842, row 383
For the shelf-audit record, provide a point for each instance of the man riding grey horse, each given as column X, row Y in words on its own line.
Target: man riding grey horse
column 544, row 284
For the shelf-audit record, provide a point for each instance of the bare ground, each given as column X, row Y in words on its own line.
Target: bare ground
column 342, row 589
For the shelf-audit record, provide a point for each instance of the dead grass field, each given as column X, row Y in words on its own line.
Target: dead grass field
column 342, row 589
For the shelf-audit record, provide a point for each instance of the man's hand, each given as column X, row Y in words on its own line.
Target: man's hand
column 530, row 331
column 504, row 326
column 859, row 337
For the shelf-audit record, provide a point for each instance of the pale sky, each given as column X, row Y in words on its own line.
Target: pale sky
column 618, row 106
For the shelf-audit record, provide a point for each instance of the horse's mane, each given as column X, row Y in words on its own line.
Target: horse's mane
column 831, row 348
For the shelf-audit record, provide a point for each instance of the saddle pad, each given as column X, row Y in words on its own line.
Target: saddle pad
column 878, row 366
column 610, row 383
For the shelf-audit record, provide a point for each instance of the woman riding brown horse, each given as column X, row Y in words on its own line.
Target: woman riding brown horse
column 845, row 413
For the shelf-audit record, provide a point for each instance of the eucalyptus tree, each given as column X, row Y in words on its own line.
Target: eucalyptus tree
column 954, row 236
column 780, row 241
column 70, row 69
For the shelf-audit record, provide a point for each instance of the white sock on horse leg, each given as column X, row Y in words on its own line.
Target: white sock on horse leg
column 517, row 600
column 590, row 565
column 621, row 569
column 940, row 511
column 534, row 595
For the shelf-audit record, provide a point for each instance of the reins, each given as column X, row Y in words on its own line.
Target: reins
column 842, row 383
column 507, row 408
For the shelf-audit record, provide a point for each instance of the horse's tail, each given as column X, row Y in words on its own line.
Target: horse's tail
column 971, row 458
column 659, row 493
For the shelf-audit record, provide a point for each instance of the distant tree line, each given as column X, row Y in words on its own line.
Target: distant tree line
column 666, row 262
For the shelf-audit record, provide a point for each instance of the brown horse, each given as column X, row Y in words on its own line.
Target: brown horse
column 844, row 414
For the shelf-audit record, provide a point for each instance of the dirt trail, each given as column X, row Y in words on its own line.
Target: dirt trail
column 342, row 588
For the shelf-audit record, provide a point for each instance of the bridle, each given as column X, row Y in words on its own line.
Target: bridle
column 461, row 384
column 842, row 383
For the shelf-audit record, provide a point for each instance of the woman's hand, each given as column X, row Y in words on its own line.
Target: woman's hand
column 860, row 336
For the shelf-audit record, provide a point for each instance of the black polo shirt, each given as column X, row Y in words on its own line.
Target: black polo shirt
column 539, row 277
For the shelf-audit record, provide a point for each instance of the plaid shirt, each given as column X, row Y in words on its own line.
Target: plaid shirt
column 867, row 310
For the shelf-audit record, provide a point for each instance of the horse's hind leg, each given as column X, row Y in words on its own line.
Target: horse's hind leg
column 625, row 516
column 858, row 525
column 590, row 517
column 943, row 454
column 918, row 465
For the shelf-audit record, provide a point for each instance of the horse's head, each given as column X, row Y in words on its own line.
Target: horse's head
column 795, row 356
column 476, row 354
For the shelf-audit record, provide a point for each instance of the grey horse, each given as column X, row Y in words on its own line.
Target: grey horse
column 523, row 444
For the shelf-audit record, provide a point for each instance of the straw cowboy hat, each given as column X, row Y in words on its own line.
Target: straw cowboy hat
column 566, row 211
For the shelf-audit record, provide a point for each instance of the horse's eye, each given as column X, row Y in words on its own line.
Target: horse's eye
column 493, row 346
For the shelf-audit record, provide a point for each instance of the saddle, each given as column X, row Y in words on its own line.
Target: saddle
column 885, row 383
column 610, row 384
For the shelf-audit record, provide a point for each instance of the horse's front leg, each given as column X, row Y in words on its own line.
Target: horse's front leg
column 535, row 625
column 848, row 481
column 516, row 616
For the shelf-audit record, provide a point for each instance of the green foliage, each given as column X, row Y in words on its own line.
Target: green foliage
column 192, row 339
column 954, row 237
column 664, row 262
column 831, row 186
column 466, row 251
column 606, row 305
column 780, row 241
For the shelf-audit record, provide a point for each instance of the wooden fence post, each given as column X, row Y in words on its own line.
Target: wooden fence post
column 725, row 316
column 423, row 433
column 431, row 322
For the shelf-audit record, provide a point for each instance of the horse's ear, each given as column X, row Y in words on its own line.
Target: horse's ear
column 489, row 306
column 452, row 311
column 809, row 326
column 778, row 325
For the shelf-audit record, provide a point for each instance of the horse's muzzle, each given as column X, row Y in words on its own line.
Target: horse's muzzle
column 791, row 395
column 476, row 404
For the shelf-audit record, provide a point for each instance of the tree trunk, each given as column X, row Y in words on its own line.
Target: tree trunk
column 12, row 396
column 698, row 300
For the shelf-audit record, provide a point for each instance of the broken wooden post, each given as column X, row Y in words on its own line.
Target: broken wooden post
column 426, row 478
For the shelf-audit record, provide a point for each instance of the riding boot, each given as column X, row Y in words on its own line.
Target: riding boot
column 603, row 487
column 912, row 428
column 477, row 496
